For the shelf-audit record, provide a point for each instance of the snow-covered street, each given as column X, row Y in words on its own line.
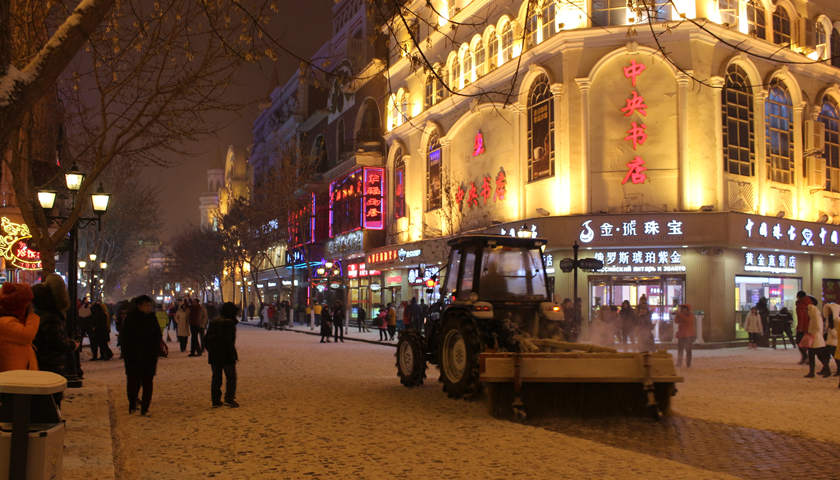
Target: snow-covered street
column 313, row 410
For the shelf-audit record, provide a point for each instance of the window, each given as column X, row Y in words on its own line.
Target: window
column 454, row 83
column 738, row 131
column 728, row 12
column 404, row 113
column 533, row 25
column 835, row 47
column 830, row 117
column 441, row 91
column 430, row 98
column 781, row 27
column 540, row 130
column 822, row 41
column 609, row 12
column 507, row 43
column 510, row 273
column 779, row 126
column 492, row 52
column 479, row 59
column 549, row 24
column 346, row 198
column 468, row 277
column 320, row 151
column 660, row 9
column 756, row 23
column 468, row 68
column 399, row 184
column 433, row 173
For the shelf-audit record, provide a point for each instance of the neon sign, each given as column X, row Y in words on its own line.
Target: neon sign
column 476, row 195
column 373, row 198
column 769, row 262
column 633, row 228
column 14, row 247
column 641, row 261
column 478, row 145
column 636, row 134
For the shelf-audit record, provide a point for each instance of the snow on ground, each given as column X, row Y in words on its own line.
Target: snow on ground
column 313, row 410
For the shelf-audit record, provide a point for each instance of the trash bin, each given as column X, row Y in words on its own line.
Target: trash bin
column 31, row 426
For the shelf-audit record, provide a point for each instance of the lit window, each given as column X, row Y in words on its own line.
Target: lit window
column 455, row 81
column 781, row 26
column 728, row 12
column 549, row 24
column 830, row 117
column 433, row 173
column 399, row 184
column 540, row 130
column 507, row 44
column 479, row 59
column 756, row 22
column 468, row 68
column 822, row 41
column 431, row 96
column 532, row 36
column 404, row 113
column 609, row 12
column 492, row 51
column 661, row 10
column 779, row 126
column 738, row 130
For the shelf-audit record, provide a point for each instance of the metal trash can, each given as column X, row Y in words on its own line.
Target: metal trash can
column 31, row 426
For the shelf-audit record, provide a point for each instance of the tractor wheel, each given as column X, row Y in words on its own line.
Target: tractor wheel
column 663, row 393
column 459, row 349
column 411, row 365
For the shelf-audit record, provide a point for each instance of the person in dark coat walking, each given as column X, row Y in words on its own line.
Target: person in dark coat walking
column 141, row 340
column 326, row 324
column 196, row 348
column 415, row 315
column 338, row 322
column 101, row 330
column 220, row 343
column 52, row 345
column 361, row 315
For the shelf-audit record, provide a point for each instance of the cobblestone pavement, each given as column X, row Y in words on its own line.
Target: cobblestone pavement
column 734, row 450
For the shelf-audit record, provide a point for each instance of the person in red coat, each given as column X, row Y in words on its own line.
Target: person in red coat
column 686, row 332
column 18, row 327
column 802, row 302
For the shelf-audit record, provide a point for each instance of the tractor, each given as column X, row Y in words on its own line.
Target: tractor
column 498, row 331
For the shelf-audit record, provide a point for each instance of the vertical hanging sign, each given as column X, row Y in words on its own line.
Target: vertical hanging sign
column 635, row 105
column 373, row 198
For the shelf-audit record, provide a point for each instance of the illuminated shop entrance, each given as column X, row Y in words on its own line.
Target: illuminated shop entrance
column 779, row 292
column 663, row 293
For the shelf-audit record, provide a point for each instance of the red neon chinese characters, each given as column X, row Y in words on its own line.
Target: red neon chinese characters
column 635, row 103
column 459, row 197
column 634, row 70
column 478, row 146
column 636, row 172
column 636, row 134
column 472, row 196
column 501, row 182
column 486, row 189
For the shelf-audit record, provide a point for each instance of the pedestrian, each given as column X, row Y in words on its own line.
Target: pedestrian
column 101, row 331
column 628, row 322
column 338, row 322
column 392, row 321
column 686, row 333
column 182, row 325
column 814, row 341
column 752, row 324
column 18, row 327
column 52, row 345
column 142, row 340
column 317, row 310
column 764, row 315
column 251, row 309
column 802, row 302
column 644, row 326
column 831, row 314
column 122, row 313
column 415, row 315
column 786, row 320
column 85, row 321
column 221, row 355
column 382, row 324
column 361, row 316
column 195, row 328
column 170, row 312
column 326, row 328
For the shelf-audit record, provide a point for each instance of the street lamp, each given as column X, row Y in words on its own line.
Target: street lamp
column 47, row 199
column 92, row 271
column 92, row 257
column 74, row 179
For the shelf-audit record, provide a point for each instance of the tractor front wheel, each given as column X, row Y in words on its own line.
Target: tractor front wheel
column 411, row 365
column 459, row 351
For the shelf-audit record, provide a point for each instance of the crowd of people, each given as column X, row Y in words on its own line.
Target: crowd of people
column 816, row 334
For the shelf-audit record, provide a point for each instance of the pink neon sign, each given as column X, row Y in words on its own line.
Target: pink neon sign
column 637, row 133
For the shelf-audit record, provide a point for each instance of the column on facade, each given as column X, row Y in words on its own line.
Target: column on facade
column 682, row 141
column 799, row 186
column 445, row 176
column 717, row 84
column 561, row 149
column 584, row 85
column 760, row 97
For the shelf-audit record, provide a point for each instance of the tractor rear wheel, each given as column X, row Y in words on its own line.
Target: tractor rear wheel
column 459, row 351
column 411, row 365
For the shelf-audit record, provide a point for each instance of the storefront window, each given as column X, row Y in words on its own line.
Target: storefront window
column 779, row 292
column 663, row 294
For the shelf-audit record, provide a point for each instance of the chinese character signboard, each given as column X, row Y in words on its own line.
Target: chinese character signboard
column 14, row 246
column 785, row 234
column 609, row 229
column 767, row 262
column 641, row 261
column 374, row 198
column 482, row 191
column 635, row 107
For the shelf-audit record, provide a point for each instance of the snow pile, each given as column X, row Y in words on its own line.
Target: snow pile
column 8, row 83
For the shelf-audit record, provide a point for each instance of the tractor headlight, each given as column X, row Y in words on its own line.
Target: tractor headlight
column 552, row 311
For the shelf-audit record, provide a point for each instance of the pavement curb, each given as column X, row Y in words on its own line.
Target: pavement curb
column 318, row 334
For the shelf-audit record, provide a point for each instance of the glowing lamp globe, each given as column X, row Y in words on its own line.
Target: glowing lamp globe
column 74, row 179
column 99, row 200
column 46, row 198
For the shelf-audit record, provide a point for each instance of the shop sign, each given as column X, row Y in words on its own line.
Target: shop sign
column 769, row 262
column 514, row 232
column 632, row 229
column 286, row 283
column 390, row 255
column 335, row 286
column 418, row 276
column 356, row 270
column 392, row 280
column 348, row 242
column 549, row 263
column 641, row 261
column 375, row 287
column 14, row 246
column 637, row 134
column 272, row 284
column 294, row 256
column 787, row 233
column 480, row 193
column 374, row 199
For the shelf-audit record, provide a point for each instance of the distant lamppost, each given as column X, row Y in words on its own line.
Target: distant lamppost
column 91, row 274
column 73, row 180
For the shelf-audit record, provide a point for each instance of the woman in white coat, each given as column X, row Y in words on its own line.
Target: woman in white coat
column 182, row 322
column 752, row 324
column 817, row 347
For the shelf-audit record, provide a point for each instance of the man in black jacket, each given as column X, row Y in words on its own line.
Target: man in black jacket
column 220, row 343
column 141, row 345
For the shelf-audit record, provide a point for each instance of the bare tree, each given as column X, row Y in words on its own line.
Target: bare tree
column 198, row 256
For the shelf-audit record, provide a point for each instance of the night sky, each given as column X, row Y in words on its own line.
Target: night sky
column 303, row 27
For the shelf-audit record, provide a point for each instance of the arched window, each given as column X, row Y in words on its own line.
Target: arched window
column 540, row 130
column 609, row 12
column 781, row 26
column 429, row 98
column 479, row 59
column 319, row 150
column 822, row 40
column 454, row 83
column 404, row 108
column 507, row 43
column 756, row 22
column 468, row 68
column 778, row 119
column 728, row 12
column 434, row 161
column 440, row 89
column 835, row 47
column 830, row 117
column 399, row 184
column 738, row 130
column 532, row 36
column 492, row 52
column 549, row 16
